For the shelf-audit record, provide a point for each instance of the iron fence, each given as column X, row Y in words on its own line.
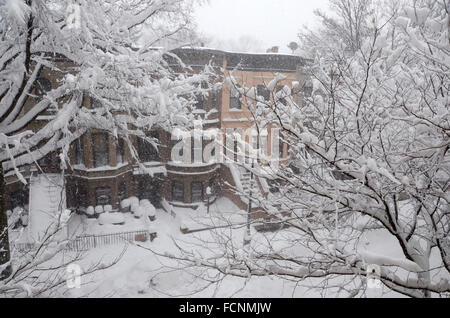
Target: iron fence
column 87, row 242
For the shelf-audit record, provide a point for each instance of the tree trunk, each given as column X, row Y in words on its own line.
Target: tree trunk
column 4, row 239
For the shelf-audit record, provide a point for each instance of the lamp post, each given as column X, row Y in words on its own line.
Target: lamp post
column 247, row 236
column 208, row 194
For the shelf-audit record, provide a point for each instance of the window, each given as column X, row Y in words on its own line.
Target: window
column 120, row 151
column 146, row 151
column 177, row 191
column 100, row 149
column 18, row 198
column 196, row 192
column 95, row 103
column 122, row 191
column 214, row 100
column 235, row 98
column 200, row 104
column 79, row 151
column 263, row 92
column 280, row 147
column 81, row 195
column 212, row 187
column 41, row 86
column 308, row 91
column 103, row 196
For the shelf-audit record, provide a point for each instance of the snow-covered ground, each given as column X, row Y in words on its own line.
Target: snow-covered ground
column 144, row 270
column 140, row 272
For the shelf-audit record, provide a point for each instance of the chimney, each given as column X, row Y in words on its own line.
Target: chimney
column 273, row 49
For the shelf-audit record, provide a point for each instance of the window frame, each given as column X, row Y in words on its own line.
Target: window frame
column 175, row 198
column 262, row 90
column 201, row 189
column 95, row 151
column 235, row 102
column 97, row 195
column 40, row 89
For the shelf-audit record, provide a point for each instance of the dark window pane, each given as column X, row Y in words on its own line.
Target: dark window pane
column 280, row 147
column 120, row 151
column 178, row 191
column 103, row 196
column 79, row 151
column 263, row 92
column 122, row 191
column 41, row 86
column 19, row 198
column 235, row 98
column 100, row 149
column 214, row 100
column 95, row 103
column 212, row 186
column 200, row 104
column 146, row 151
column 196, row 192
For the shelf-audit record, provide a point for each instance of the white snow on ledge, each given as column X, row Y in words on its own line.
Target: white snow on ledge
column 103, row 168
column 154, row 170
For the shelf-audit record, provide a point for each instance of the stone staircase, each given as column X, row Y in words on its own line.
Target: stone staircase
column 250, row 186
column 47, row 200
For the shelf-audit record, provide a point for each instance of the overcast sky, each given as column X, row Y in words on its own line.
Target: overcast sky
column 271, row 22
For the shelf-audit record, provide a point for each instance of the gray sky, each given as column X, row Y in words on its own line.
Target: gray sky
column 270, row 22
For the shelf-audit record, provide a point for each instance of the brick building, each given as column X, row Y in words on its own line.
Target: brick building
column 103, row 171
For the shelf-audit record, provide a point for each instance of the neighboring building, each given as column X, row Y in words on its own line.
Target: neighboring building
column 103, row 171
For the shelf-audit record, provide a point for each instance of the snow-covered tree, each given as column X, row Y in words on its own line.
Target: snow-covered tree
column 367, row 188
column 95, row 49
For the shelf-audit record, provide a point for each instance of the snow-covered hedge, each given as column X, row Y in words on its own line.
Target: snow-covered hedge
column 99, row 209
column 125, row 204
column 133, row 200
column 90, row 210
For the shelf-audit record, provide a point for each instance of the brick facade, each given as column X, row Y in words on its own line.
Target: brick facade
column 87, row 183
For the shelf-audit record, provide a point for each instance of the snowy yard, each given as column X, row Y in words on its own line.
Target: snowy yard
column 141, row 273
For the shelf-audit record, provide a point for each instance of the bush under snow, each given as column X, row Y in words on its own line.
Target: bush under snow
column 90, row 210
column 99, row 209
